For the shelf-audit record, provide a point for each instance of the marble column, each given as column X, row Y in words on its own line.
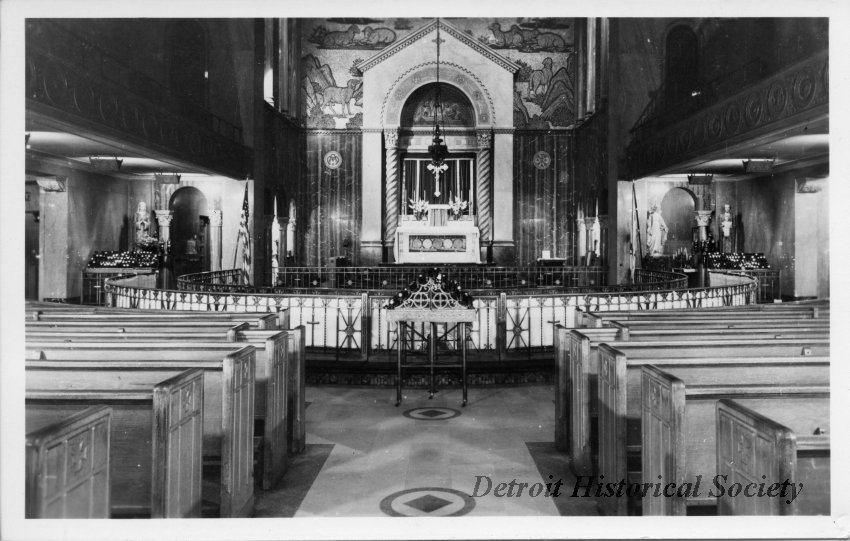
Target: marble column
column 502, row 214
column 703, row 217
column 371, row 245
column 391, row 191
column 483, row 207
column 163, row 220
column 215, row 240
column 53, row 282
column 590, row 228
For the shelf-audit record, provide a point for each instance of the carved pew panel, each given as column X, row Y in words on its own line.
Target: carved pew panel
column 228, row 428
column 155, row 436
column 750, row 445
column 688, row 445
column 67, row 464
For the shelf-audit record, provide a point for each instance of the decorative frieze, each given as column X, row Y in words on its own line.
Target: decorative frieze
column 801, row 89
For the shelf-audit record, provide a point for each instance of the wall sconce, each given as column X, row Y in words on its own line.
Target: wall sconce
column 167, row 178
column 106, row 163
column 758, row 165
column 700, row 180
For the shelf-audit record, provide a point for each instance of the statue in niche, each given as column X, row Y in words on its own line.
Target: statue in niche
column 143, row 222
column 656, row 232
column 726, row 221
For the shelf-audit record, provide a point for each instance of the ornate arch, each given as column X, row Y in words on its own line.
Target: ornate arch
column 425, row 73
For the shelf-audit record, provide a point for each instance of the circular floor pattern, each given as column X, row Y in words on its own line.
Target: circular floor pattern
column 431, row 414
column 427, row 502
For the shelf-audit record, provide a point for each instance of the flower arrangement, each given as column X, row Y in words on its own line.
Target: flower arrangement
column 457, row 206
column 147, row 244
column 419, row 208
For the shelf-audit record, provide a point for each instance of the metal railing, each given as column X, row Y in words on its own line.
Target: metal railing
column 474, row 278
column 506, row 323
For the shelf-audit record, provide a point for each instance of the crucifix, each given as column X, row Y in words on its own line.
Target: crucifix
column 437, row 170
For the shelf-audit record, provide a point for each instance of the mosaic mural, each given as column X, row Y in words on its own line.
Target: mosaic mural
column 544, row 48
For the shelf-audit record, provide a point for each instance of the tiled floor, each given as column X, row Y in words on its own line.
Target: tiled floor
column 362, row 450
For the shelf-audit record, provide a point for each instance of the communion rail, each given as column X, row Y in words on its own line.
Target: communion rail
column 506, row 323
column 480, row 279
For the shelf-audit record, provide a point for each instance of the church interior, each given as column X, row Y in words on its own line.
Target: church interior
column 431, row 267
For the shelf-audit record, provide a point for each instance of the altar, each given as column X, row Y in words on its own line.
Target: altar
column 437, row 239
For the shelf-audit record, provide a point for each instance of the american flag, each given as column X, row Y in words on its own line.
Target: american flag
column 245, row 238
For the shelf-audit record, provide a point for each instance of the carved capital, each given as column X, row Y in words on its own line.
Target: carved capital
column 702, row 217
column 164, row 217
column 391, row 138
column 485, row 140
column 216, row 218
column 589, row 222
column 52, row 184
column 603, row 221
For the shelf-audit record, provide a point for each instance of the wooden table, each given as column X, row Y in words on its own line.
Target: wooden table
column 433, row 317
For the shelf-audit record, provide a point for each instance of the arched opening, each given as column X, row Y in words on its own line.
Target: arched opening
column 419, row 183
column 189, row 231
column 188, row 61
column 680, row 64
column 677, row 209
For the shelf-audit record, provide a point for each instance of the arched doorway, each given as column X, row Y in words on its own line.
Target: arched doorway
column 457, row 181
column 677, row 209
column 189, row 231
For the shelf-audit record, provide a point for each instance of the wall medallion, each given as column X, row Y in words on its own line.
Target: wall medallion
column 333, row 159
column 542, row 160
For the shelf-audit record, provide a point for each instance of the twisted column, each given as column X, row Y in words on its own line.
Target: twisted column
column 391, row 144
column 484, row 207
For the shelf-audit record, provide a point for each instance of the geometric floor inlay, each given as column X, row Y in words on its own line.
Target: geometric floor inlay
column 427, row 502
column 431, row 414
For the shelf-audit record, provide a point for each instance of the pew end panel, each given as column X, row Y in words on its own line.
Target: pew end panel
column 562, row 389
column 662, row 419
column 613, row 453
column 237, row 429
column 178, row 405
column 753, row 448
column 296, row 374
column 67, row 466
column 580, row 402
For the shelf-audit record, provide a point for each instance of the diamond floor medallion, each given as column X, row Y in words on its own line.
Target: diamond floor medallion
column 427, row 502
column 431, row 414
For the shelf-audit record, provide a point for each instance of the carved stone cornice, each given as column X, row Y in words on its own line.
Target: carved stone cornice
column 54, row 84
column 447, row 27
column 798, row 92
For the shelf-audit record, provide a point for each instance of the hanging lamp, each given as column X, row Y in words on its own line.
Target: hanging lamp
column 437, row 149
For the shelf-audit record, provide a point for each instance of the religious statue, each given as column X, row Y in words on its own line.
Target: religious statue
column 143, row 222
column 726, row 221
column 656, row 233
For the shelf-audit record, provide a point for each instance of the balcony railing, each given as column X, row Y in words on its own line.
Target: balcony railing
column 726, row 111
column 67, row 72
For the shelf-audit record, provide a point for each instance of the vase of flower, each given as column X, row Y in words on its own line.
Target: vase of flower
column 419, row 208
column 456, row 207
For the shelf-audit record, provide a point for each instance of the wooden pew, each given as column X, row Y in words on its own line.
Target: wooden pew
column 584, row 357
column 598, row 319
column 751, row 445
column 80, row 443
column 815, row 310
column 229, row 371
column 258, row 320
column 154, row 439
column 679, row 426
column 284, row 425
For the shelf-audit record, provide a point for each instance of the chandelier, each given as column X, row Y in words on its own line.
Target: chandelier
column 437, row 149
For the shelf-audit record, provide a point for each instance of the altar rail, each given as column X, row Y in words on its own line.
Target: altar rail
column 473, row 278
column 507, row 324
